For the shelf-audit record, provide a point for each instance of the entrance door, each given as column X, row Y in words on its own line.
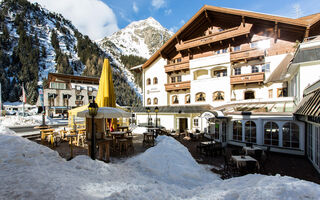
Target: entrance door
column 183, row 124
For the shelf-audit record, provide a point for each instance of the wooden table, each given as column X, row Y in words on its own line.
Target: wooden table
column 251, row 150
column 148, row 139
column 123, row 128
column 154, row 131
column 241, row 161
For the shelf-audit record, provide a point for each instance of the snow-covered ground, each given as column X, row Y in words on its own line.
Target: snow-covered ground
column 167, row 171
column 16, row 120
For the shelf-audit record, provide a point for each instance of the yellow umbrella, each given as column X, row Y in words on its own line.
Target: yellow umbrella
column 106, row 96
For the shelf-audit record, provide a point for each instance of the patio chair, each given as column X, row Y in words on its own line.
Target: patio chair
column 257, row 154
column 235, row 152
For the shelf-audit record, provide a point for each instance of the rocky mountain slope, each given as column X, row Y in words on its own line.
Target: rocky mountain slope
column 35, row 42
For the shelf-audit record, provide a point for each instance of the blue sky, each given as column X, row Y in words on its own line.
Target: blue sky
column 172, row 14
column 100, row 18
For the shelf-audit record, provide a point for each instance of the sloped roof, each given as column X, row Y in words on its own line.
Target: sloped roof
column 176, row 109
column 305, row 55
column 310, row 104
column 279, row 73
column 302, row 23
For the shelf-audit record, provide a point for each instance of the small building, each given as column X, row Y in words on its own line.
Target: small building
column 66, row 92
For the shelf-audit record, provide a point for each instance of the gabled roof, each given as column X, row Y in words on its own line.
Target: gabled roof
column 279, row 73
column 300, row 24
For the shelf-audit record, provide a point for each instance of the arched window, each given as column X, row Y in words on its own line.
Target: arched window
column 290, row 132
column 249, row 95
column 271, row 134
column 200, row 96
column 237, row 130
column 155, row 101
column 175, row 99
column 250, row 132
column 148, row 81
column 218, row 96
column 148, row 101
column 187, row 99
column 155, row 80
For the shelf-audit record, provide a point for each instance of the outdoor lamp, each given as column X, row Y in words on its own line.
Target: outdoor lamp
column 156, row 109
column 148, row 111
column 93, row 109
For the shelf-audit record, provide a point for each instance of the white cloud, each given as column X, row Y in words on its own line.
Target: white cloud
column 168, row 11
column 157, row 3
column 92, row 17
column 182, row 22
column 173, row 29
column 135, row 7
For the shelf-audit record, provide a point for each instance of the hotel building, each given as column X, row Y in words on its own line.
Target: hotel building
column 224, row 72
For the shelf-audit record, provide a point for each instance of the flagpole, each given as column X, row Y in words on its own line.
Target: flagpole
column 23, row 98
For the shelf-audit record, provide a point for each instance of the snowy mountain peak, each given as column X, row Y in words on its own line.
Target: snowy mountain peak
column 140, row 38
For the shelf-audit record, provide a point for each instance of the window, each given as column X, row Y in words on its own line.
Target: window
column 201, row 96
column 270, row 92
column 216, row 131
column 220, row 29
column 218, row 96
column 178, row 79
column 220, row 73
column 51, row 98
column 173, row 79
column 317, row 146
column 218, row 52
column 254, row 69
column 57, row 85
column 66, row 99
column 236, row 48
column 237, row 131
column 309, row 141
column 249, row 95
column 271, row 134
column 187, row 99
column 155, row 80
column 250, row 132
column 266, row 67
column 175, row 99
column 225, row 50
column 178, row 60
column 148, row 81
column 148, row 101
column 237, row 71
column 290, row 136
column 196, row 122
column 282, row 92
column 155, row 101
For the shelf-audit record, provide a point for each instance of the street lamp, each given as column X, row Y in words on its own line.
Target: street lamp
column 148, row 111
column 93, row 109
column 156, row 109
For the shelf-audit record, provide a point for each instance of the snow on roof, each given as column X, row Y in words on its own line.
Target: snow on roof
column 166, row 171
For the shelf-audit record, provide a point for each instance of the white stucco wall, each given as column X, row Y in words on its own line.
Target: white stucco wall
column 156, row 69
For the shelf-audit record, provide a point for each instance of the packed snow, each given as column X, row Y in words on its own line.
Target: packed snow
column 167, row 171
column 16, row 120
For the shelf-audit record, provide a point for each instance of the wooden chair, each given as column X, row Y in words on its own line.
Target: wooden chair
column 123, row 146
column 130, row 142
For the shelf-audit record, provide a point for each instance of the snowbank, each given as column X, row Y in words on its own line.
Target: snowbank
column 7, row 131
column 166, row 171
column 24, row 121
column 139, row 130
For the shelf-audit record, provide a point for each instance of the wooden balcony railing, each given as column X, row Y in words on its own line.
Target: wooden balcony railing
column 177, row 86
column 177, row 66
column 257, row 77
column 215, row 37
column 247, row 54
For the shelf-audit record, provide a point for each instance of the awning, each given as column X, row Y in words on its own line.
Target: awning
column 309, row 105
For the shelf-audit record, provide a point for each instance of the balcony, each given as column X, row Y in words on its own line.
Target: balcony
column 185, row 85
column 246, row 55
column 177, row 66
column 257, row 77
column 215, row 37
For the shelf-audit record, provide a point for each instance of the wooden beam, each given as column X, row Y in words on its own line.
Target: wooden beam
column 243, row 21
column 306, row 34
column 275, row 32
column 208, row 18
